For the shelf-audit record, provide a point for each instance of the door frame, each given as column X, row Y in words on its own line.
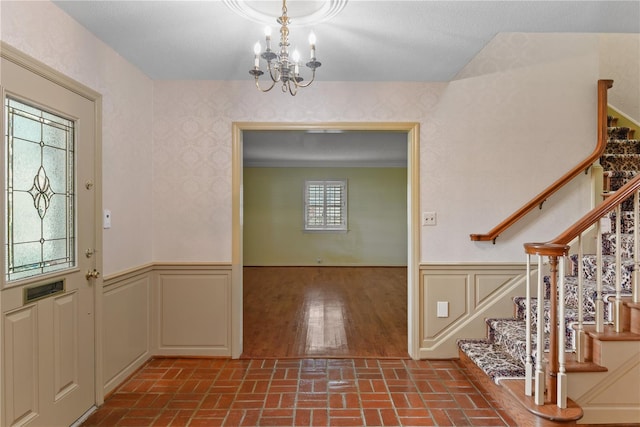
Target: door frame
column 27, row 62
column 413, row 217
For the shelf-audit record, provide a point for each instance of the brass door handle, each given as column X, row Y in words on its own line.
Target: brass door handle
column 92, row 274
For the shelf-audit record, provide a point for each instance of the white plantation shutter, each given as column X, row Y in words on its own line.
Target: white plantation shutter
column 325, row 205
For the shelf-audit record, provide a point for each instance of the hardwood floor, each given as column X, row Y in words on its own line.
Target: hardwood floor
column 325, row 312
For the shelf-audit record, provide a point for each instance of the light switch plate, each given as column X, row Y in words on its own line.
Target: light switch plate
column 106, row 219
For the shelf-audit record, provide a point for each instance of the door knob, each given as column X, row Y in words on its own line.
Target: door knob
column 92, row 274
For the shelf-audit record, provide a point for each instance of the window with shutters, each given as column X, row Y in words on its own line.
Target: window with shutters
column 325, row 205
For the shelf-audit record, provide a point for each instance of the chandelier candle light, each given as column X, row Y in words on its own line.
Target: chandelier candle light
column 281, row 67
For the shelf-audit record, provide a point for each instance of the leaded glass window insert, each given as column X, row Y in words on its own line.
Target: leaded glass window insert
column 39, row 193
column 325, row 206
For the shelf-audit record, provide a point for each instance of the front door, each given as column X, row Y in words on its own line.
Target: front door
column 48, row 275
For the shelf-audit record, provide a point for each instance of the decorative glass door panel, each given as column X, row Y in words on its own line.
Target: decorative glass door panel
column 40, row 193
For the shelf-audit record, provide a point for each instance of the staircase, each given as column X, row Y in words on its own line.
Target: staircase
column 602, row 341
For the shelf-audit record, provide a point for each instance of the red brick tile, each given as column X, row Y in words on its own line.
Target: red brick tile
column 389, row 417
column 250, row 397
column 135, row 421
column 183, row 404
column 341, row 386
column 210, row 413
column 401, row 385
column 497, row 421
column 457, row 417
column 372, row 417
column 206, row 422
column 377, row 404
column 302, row 417
column 441, row 417
column 144, row 413
column 225, row 401
column 351, row 421
column 247, row 404
column 309, row 392
column 319, row 418
column 374, row 396
column 418, row 422
column 278, row 422
column 464, row 401
column 251, row 418
column 348, row 413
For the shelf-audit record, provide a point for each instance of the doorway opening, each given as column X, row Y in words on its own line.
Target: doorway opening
column 408, row 134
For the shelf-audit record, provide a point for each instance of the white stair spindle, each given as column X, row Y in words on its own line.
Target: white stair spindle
column 580, row 337
column 636, row 251
column 540, row 382
column 562, row 375
column 528, row 367
column 599, row 303
column 617, row 310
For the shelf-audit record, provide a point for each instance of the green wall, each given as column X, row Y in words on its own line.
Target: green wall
column 273, row 218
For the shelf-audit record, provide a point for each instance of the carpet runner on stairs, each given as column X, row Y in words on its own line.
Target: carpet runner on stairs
column 502, row 353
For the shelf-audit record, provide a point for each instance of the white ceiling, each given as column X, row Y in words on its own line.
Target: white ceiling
column 326, row 149
column 412, row 40
column 367, row 41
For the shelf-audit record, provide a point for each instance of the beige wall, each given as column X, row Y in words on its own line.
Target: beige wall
column 167, row 153
column 620, row 62
column 273, row 218
column 43, row 31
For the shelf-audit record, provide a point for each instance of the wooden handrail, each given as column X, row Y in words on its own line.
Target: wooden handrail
column 592, row 217
column 603, row 86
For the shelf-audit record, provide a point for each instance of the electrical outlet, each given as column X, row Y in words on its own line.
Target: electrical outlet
column 428, row 218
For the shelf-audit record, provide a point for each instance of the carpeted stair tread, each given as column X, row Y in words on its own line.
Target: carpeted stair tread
column 626, row 221
column 628, row 162
column 492, row 359
column 617, row 132
column 623, row 146
column 589, row 269
column 609, row 244
column 510, row 336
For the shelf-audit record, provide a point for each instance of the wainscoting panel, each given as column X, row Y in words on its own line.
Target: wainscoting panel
column 20, row 344
column 194, row 311
column 127, row 325
column 472, row 293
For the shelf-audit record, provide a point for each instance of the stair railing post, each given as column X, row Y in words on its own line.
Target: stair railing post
column 552, row 371
column 540, row 371
column 617, row 309
column 562, row 337
column 580, row 337
column 599, row 302
column 528, row 366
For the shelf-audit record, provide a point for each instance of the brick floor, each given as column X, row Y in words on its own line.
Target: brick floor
column 298, row 392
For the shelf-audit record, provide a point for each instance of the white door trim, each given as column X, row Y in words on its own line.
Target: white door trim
column 413, row 218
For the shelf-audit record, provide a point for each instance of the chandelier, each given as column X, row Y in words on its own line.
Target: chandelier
column 282, row 67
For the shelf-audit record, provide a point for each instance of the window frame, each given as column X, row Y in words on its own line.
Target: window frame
column 326, row 228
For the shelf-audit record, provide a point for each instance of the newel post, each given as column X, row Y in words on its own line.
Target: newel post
column 547, row 382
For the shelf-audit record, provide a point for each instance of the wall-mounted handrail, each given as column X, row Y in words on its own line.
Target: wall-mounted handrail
column 603, row 86
column 586, row 221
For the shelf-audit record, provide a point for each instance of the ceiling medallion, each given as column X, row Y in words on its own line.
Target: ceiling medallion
column 307, row 12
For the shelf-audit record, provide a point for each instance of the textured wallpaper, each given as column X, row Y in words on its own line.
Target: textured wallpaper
column 620, row 61
column 43, row 31
column 518, row 116
column 192, row 150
